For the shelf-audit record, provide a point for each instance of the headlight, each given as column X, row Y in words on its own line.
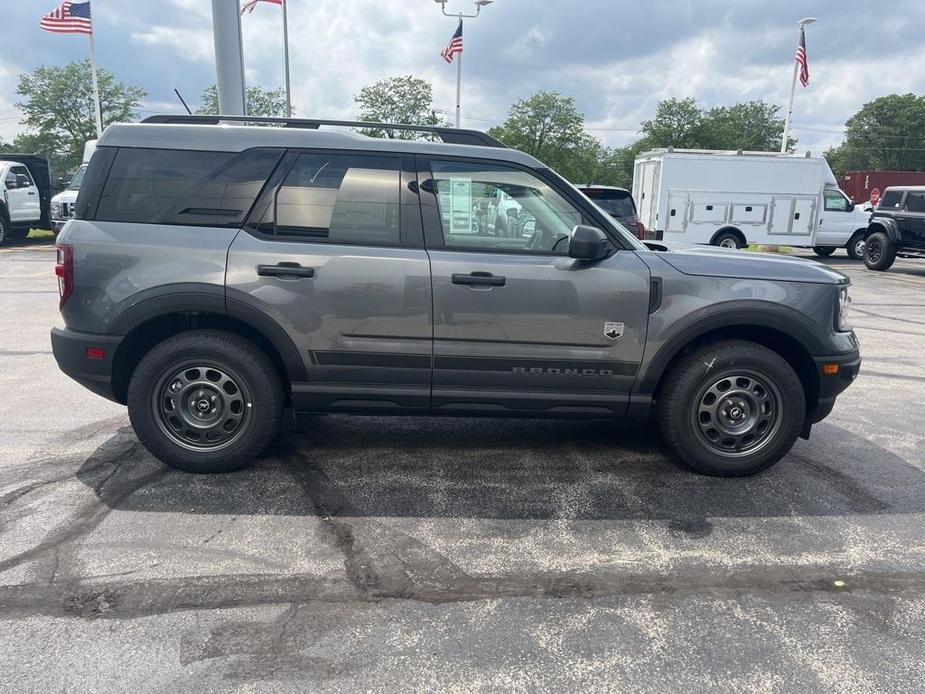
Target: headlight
column 842, row 319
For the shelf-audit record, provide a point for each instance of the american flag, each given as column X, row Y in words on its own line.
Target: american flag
column 251, row 4
column 454, row 46
column 70, row 18
column 802, row 60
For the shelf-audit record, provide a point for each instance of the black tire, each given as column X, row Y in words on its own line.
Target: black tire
column 4, row 227
column 856, row 246
column 728, row 239
column 18, row 232
column 823, row 251
column 764, row 394
column 879, row 252
column 206, row 366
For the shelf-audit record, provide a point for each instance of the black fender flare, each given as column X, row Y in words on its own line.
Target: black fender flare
column 204, row 298
column 889, row 226
column 736, row 314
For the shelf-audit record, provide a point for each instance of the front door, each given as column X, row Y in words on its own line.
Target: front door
column 519, row 327
column 837, row 221
column 22, row 196
column 333, row 254
column 911, row 220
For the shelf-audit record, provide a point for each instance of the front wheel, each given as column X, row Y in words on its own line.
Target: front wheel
column 879, row 252
column 823, row 251
column 205, row 401
column 731, row 408
column 856, row 245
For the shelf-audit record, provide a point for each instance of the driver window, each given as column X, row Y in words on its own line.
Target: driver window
column 835, row 201
column 491, row 207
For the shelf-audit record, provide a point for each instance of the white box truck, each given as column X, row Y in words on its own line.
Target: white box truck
column 732, row 199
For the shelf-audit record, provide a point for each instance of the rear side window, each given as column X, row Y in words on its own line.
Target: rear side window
column 351, row 199
column 164, row 186
column 890, row 200
column 915, row 202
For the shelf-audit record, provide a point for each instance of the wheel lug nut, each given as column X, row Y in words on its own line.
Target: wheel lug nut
column 213, row 398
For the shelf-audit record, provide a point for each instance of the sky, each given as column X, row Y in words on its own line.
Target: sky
column 616, row 58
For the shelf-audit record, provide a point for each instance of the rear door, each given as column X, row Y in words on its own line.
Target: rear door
column 912, row 219
column 519, row 327
column 333, row 254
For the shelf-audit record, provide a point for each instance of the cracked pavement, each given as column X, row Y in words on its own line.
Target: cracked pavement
column 378, row 554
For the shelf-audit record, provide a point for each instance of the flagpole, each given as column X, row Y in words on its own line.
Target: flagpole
column 458, row 78
column 286, row 59
column 96, row 87
column 793, row 87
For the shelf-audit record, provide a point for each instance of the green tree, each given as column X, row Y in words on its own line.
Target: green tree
column 262, row 103
column 407, row 100
column 683, row 124
column 886, row 134
column 548, row 126
column 58, row 109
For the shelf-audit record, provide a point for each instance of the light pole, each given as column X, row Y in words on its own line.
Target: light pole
column 479, row 4
column 793, row 85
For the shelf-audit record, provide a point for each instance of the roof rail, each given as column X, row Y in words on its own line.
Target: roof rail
column 453, row 136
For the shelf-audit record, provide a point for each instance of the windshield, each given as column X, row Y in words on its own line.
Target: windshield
column 616, row 202
column 77, row 179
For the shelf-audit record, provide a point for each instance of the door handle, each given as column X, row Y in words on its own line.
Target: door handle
column 31, row 192
column 285, row 271
column 480, row 279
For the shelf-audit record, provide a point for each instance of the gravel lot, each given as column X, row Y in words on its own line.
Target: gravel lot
column 460, row 555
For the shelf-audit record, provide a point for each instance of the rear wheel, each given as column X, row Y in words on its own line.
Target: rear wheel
column 205, row 401
column 727, row 239
column 824, row 251
column 879, row 252
column 855, row 246
column 731, row 408
column 4, row 228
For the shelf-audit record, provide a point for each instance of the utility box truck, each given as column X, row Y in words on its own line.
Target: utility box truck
column 25, row 193
column 733, row 199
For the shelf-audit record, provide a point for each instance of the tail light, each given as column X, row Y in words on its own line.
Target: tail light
column 640, row 231
column 64, row 269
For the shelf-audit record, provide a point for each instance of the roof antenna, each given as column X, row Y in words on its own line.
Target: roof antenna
column 177, row 92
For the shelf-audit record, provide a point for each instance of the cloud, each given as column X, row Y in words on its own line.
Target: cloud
column 185, row 44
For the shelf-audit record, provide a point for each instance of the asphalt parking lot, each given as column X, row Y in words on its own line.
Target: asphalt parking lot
column 461, row 555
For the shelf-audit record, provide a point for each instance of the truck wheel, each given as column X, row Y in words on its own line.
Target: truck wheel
column 4, row 228
column 727, row 239
column 855, row 246
column 879, row 252
column 823, row 251
column 731, row 408
column 205, row 401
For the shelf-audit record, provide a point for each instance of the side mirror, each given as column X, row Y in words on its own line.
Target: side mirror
column 588, row 243
column 851, row 207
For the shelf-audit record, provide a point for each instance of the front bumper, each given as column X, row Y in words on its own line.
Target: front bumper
column 833, row 381
column 70, row 350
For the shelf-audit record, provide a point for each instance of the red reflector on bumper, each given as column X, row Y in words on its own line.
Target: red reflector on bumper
column 96, row 353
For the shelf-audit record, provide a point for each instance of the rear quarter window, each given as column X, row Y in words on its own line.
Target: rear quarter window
column 183, row 187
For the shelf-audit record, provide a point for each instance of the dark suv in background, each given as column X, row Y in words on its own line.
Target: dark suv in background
column 897, row 227
column 220, row 280
column 618, row 203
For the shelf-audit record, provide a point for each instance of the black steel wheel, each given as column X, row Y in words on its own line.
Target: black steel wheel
column 731, row 408
column 823, row 251
column 879, row 252
column 205, row 401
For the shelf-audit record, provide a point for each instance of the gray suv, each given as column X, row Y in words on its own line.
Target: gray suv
column 223, row 281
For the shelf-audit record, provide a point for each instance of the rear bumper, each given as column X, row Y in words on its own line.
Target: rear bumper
column 70, row 350
column 831, row 385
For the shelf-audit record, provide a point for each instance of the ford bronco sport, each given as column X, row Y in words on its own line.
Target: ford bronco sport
column 897, row 227
column 222, row 280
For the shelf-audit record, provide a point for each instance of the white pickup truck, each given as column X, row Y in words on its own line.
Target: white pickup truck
column 62, row 205
column 25, row 194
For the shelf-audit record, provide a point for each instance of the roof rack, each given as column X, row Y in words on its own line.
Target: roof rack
column 453, row 136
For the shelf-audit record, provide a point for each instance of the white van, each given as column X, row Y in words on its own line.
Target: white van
column 732, row 199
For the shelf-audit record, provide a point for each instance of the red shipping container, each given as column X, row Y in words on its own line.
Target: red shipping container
column 859, row 184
